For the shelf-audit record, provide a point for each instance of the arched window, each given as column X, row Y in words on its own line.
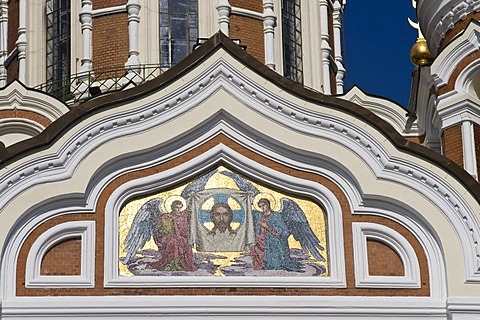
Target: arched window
column 178, row 30
column 58, row 47
column 292, row 40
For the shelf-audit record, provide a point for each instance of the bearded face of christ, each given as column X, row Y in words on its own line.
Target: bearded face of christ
column 221, row 215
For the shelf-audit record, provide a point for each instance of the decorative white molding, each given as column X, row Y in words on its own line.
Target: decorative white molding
column 133, row 62
column 337, row 38
column 325, row 48
column 468, row 143
column 457, row 110
column 428, row 117
column 18, row 97
column 362, row 232
column 389, row 111
column 311, row 42
column 85, row 230
column 3, row 41
column 13, row 130
column 248, row 13
column 21, row 42
column 243, row 165
column 463, row 308
column 461, row 47
column 226, row 307
column 110, row 10
column 86, row 20
column 269, row 24
column 224, row 8
column 437, row 17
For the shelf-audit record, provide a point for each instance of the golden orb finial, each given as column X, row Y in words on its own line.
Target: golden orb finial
column 419, row 53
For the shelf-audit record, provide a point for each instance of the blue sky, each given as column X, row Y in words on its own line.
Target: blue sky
column 378, row 39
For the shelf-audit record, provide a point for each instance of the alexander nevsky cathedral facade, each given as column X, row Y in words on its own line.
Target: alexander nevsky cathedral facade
column 202, row 159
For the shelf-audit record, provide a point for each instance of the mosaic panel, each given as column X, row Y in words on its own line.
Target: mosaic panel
column 222, row 224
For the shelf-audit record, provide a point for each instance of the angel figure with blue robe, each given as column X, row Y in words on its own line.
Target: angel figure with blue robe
column 271, row 250
column 272, row 229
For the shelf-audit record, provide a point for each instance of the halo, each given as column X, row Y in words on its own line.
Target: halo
column 167, row 204
column 269, row 197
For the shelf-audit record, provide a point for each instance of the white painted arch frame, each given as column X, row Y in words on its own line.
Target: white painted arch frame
column 362, row 232
column 225, row 155
column 53, row 236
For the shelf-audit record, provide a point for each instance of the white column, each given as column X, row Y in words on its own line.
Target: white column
column 337, row 38
column 133, row 62
column 3, row 41
column 325, row 46
column 468, row 142
column 86, row 21
column 22, row 40
column 269, row 24
column 85, row 76
column 224, row 8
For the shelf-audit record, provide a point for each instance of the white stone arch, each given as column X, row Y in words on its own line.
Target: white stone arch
column 85, row 230
column 388, row 110
column 456, row 51
column 362, row 232
column 13, row 130
column 16, row 96
column 224, row 155
column 468, row 81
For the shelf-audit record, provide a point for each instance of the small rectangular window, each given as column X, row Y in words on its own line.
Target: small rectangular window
column 58, row 48
column 292, row 40
column 178, row 30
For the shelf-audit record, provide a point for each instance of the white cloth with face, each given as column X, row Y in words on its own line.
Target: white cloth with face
column 207, row 241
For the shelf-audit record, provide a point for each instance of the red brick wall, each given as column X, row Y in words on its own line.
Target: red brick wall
column 110, row 41
column 38, row 118
column 99, row 217
column 64, row 259
column 383, row 260
column 452, row 144
column 250, row 32
column 418, row 140
column 12, row 24
column 12, row 69
column 101, row 4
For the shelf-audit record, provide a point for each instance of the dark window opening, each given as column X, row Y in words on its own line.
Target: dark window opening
column 178, row 30
column 292, row 40
column 58, row 48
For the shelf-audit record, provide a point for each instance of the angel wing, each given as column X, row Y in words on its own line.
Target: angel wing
column 299, row 227
column 141, row 230
column 242, row 183
column 197, row 184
